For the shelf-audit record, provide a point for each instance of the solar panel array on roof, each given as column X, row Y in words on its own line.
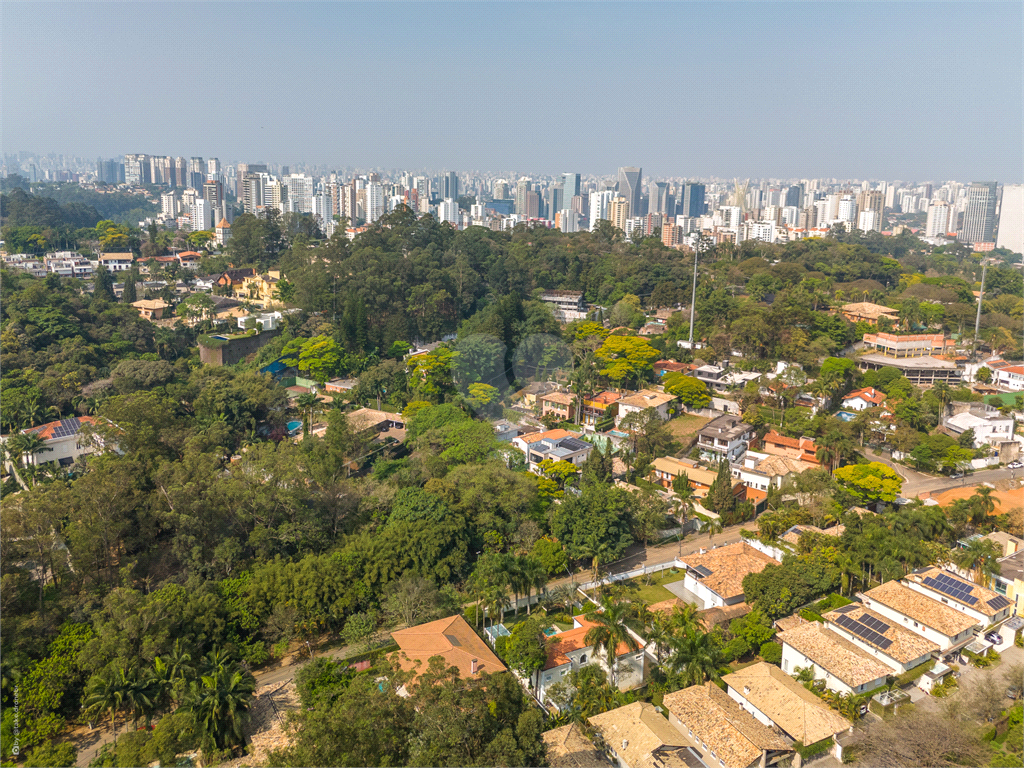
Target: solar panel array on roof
column 875, row 624
column 848, row 608
column 998, row 603
column 67, row 427
column 573, row 444
column 956, row 589
column 864, row 632
column 701, row 571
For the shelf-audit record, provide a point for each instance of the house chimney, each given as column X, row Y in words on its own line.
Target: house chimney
column 746, row 690
column 474, row 666
column 625, row 743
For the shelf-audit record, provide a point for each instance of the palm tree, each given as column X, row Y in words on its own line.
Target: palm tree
column 695, row 658
column 980, row 558
column 172, row 667
column 141, row 692
column 32, row 411
column 105, row 694
column 26, row 445
column 535, row 576
column 307, row 403
column 611, row 630
column 220, row 703
column 659, row 632
column 712, row 525
column 983, row 500
column 684, row 496
column 941, row 391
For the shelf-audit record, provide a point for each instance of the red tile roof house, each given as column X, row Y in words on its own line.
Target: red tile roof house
column 63, row 439
column 862, row 399
column 569, row 650
column 802, row 448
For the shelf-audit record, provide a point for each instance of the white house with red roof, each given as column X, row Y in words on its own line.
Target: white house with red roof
column 63, row 441
column 862, row 399
column 569, row 650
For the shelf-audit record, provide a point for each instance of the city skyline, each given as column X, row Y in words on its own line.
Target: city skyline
column 385, row 104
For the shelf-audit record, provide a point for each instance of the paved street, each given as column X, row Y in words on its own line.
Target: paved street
column 915, row 483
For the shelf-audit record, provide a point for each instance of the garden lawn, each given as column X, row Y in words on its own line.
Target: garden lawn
column 684, row 427
column 656, row 592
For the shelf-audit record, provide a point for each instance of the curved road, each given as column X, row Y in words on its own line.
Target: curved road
column 915, row 483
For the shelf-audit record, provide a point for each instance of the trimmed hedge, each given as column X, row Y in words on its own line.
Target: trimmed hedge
column 908, row 677
column 817, row 748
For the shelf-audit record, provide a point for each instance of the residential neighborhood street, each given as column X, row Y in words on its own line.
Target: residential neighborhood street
column 916, row 483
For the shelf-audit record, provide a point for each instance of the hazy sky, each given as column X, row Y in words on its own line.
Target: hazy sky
column 902, row 90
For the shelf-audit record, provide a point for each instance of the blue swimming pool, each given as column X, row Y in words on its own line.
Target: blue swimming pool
column 294, row 426
column 551, row 631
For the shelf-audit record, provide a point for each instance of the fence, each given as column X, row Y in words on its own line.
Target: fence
column 627, row 575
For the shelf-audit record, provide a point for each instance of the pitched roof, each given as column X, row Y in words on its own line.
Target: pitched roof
column 368, row 418
column 788, row 704
column 647, row 398
column 986, row 600
column 792, row 536
column 558, row 397
column 833, row 653
column 551, row 434
column 641, row 728
column 452, row 639
column 569, row 747
column 775, row 466
column 719, row 722
column 868, row 395
column 921, row 608
column 713, row 617
column 223, row 224
column 573, row 640
column 728, row 565
column 904, row 645
column 63, row 428
column 868, row 309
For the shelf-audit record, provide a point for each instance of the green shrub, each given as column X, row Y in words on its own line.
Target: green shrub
column 911, row 675
column 735, row 648
column 561, row 618
column 817, row 748
column 254, row 653
column 810, row 615
column 771, row 653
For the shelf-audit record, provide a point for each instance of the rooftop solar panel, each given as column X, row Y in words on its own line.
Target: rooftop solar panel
column 701, row 571
column 956, row 589
column 848, row 608
column 998, row 603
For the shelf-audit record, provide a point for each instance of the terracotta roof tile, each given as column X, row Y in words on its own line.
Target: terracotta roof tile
column 643, row 729
column 921, row 608
column 551, row 434
column 61, row 428
column 719, row 722
column 904, row 646
column 573, row 640
column 835, row 654
column 793, row 708
column 569, row 747
column 452, row 639
column 728, row 566
column 984, row 597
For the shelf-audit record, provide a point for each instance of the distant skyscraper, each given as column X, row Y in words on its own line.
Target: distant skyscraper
column 980, row 214
column 1011, row 219
column 570, row 188
column 569, row 220
column 522, row 187
column 169, row 205
column 793, row 195
column 179, row 172
column 848, row 209
column 300, row 191
column 599, row 202
column 196, row 173
column 691, row 199
column 374, row 202
column 872, row 200
column 202, row 215
column 213, row 169
column 500, row 190
column 555, row 201
column 938, row 219
column 618, row 212
column 629, row 187
column 448, row 211
column 659, row 198
column 213, row 193
column 451, row 185
column 532, row 207
column 137, row 170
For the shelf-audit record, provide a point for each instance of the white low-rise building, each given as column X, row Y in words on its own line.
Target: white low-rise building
column 990, row 427
column 938, row 622
column 892, row 644
column 715, row 577
column 843, row 666
column 986, row 606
